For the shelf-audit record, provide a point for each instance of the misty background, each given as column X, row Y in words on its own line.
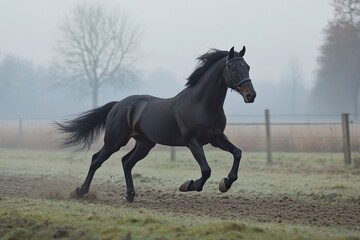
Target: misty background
column 297, row 66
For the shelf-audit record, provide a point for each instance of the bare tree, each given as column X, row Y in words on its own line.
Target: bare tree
column 348, row 12
column 96, row 47
column 339, row 61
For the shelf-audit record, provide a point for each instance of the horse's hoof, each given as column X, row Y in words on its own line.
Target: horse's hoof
column 222, row 185
column 185, row 186
column 129, row 198
column 76, row 194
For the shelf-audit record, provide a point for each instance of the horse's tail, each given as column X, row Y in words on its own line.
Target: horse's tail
column 86, row 128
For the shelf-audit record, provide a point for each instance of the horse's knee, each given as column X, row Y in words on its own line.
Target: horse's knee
column 237, row 153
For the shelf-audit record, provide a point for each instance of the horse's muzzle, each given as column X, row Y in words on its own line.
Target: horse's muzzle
column 247, row 92
column 250, row 98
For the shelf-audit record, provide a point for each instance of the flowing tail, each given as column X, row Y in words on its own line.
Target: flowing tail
column 85, row 129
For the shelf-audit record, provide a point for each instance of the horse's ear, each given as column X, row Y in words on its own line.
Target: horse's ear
column 242, row 52
column 231, row 53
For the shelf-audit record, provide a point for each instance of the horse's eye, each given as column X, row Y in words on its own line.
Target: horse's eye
column 233, row 70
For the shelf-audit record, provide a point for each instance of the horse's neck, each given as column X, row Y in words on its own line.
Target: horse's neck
column 211, row 89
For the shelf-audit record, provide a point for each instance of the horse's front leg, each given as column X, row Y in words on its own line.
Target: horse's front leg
column 198, row 153
column 224, row 144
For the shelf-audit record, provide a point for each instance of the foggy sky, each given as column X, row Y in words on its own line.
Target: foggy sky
column 176, row 32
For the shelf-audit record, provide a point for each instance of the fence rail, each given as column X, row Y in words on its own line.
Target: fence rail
column 330, row 136
column 262, row 133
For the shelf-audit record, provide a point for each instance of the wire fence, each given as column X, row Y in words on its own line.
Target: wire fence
column 294, row 137
column 289, row 133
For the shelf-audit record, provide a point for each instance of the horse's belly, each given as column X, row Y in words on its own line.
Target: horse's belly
column 161, row 131
column 167, row 135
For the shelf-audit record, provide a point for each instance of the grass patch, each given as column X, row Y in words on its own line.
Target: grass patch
column 22, row 218
column 304, row 177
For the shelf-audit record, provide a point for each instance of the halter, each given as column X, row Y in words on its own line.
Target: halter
column 233, row 59
column 238, row 84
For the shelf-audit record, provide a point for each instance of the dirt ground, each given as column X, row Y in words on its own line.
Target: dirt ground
column 281, row 209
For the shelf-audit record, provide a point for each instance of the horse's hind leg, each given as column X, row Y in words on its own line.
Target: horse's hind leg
column 97, row 160
column 141, row 150
column 117, row 135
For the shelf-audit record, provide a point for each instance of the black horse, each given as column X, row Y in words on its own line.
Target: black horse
column 193, row 118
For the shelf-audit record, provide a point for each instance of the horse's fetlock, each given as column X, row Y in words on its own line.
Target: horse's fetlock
column 206, row 174
column 233, row 179
column 80, row 191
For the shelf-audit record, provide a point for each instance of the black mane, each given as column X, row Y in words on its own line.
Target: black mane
column 205, row 62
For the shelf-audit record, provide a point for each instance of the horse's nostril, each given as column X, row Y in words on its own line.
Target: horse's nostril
column 250, row 97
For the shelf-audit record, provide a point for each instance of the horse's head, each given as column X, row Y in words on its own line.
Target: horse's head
column 237, row 75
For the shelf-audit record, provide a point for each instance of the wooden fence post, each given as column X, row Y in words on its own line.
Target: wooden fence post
column 346, row 137
column 20, row 128
column 172, row 153
column 20, row 132
column 268, row 136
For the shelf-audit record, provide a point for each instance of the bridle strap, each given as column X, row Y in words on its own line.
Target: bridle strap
column 242, row 81
column 238, row 85
column 234, row 59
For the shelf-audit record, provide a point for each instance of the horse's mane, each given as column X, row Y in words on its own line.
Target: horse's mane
column 204, row 63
